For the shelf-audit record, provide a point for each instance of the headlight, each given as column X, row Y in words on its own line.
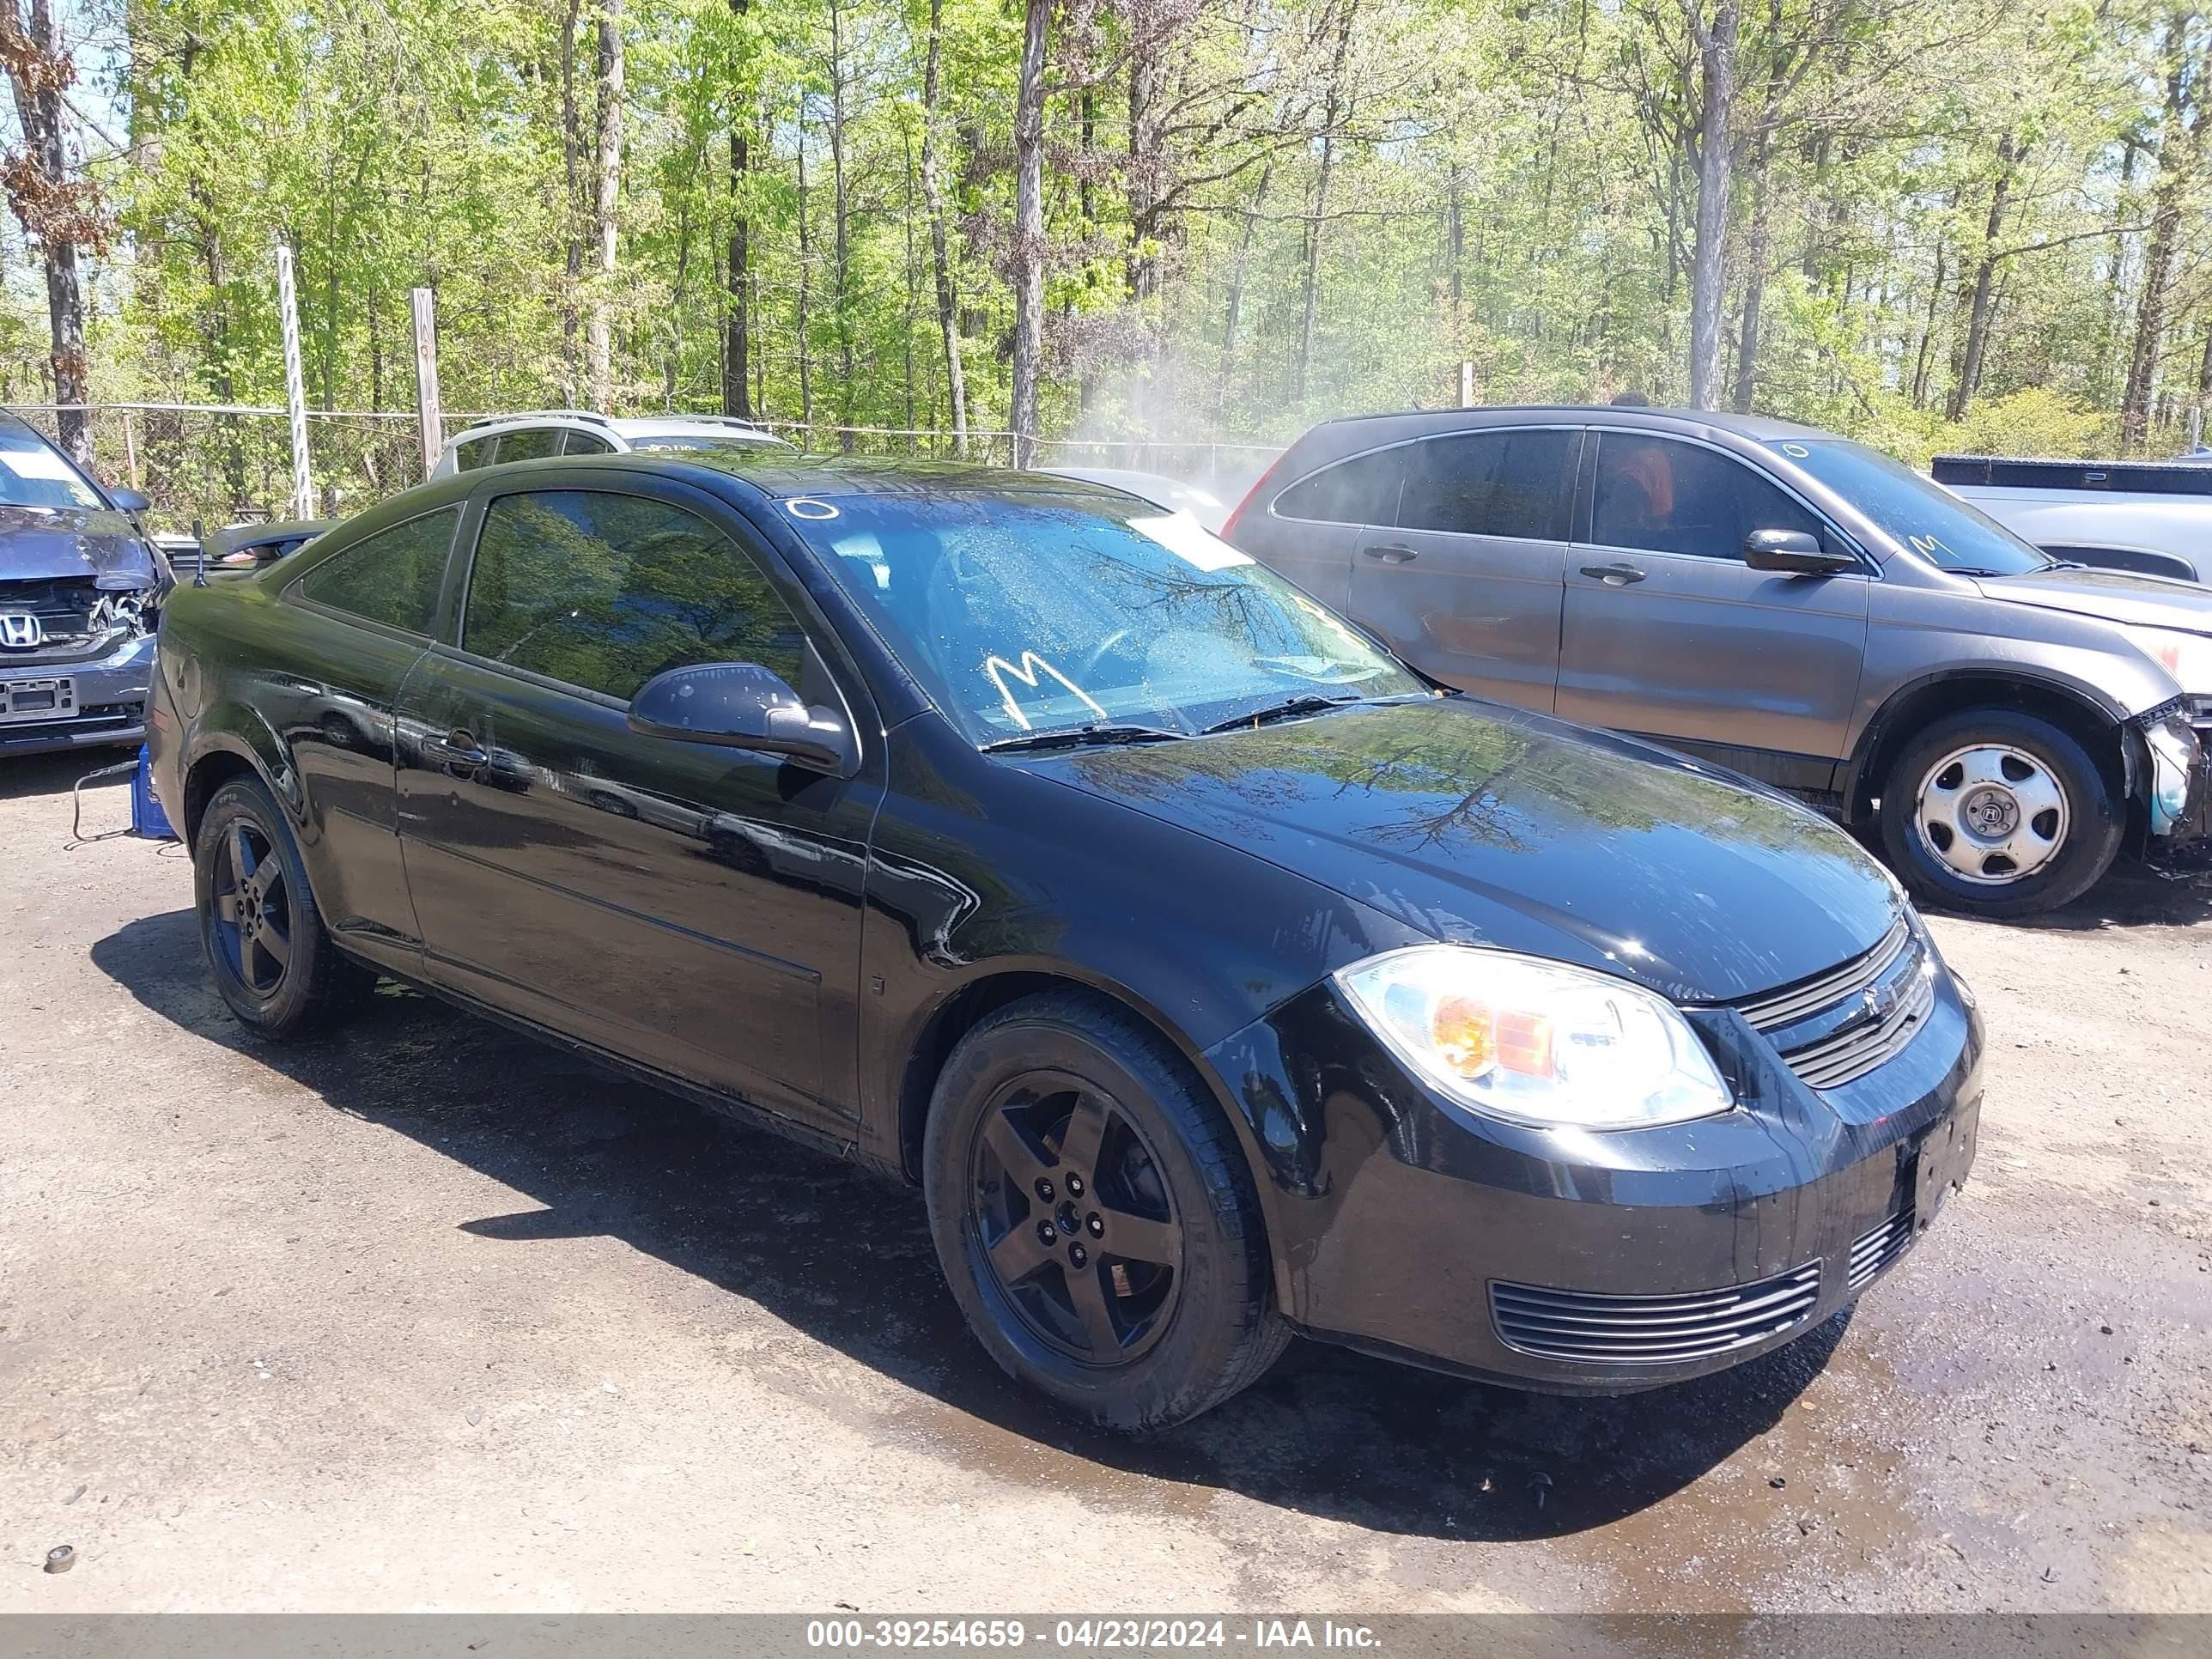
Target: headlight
column 1534, row 1041
column 2187, row 656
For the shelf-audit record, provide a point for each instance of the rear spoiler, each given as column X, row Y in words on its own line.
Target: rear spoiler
column 2129, row 477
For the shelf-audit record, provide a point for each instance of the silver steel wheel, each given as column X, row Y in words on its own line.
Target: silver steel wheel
column 1991, row 814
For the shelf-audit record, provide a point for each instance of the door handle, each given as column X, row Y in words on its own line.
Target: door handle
column 1390, row 552
column 457, row 749
column 1614, row 575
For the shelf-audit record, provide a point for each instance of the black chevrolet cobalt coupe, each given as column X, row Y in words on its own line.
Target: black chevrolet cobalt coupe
column 1214, row 974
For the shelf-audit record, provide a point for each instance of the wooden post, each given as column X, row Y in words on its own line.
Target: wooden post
column 296, row 386
column 426, row 413
column 131, row 451
column 1466, row 383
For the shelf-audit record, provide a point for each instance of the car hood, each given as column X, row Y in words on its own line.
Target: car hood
column 40, row 544
column 1476, row 823
column 2117, row 596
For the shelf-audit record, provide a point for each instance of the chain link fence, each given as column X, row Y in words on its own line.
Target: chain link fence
column 232, row 463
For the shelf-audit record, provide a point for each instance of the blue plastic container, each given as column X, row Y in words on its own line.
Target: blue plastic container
column 147, row 817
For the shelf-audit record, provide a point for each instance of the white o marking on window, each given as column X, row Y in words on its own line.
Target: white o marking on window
column 806, row 507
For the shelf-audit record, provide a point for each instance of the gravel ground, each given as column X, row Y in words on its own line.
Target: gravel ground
column 427, row 1315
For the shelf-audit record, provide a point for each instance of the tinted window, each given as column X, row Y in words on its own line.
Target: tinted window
column 583, row 443
column 392, row 577
column 606, row 590
column 1663, row 496
column 1487, row 484
column 474, row 454
column 1362, row 490
column 529, row 443
column 1926, row 517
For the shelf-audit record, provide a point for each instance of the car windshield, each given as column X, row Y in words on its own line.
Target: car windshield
column 1043, row 613
column 33, row 474
column 1924, row 516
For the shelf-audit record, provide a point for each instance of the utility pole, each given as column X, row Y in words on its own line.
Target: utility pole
column 296, row 385
column 427, row 415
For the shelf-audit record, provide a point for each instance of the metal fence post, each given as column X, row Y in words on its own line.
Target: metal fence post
column 295, row 388
column 425, row 305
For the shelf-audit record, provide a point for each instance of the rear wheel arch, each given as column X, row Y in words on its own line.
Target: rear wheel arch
column 208, row 774
column 1912, row 710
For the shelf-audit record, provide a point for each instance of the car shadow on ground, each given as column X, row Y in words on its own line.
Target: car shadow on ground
column 846, row 1258
column 25, row 775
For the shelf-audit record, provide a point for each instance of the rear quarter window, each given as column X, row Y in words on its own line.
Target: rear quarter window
column 393, row 577
column 1362, row 490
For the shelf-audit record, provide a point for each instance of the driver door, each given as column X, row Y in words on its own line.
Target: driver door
column 692, row 908
column 1666, row 632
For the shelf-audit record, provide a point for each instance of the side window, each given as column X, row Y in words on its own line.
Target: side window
column 584, row 443
column 529, row 443
column 476, row 453
column 606, row 590
column 1663, row 496
column 1362, row 490
column 1489, row 484
column 392, row 577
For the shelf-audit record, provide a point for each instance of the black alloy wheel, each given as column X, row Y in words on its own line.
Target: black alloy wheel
column 253, row 919
column 1095, row 1216
column 273, row 961
column 1067, row 1198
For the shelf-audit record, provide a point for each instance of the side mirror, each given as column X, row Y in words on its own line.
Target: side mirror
column 742, row 705
column 131, row 501
column 1794, row 553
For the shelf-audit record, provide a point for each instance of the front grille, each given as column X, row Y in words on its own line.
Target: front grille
column 1875, row 1249
column 1650, row 1330
column 64, row 608
column 1895, row 993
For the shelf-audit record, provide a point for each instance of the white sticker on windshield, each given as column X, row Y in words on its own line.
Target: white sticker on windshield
column 39, row 464
column 1190, row 541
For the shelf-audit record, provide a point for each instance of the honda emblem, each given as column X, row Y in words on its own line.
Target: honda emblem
column 20, row 630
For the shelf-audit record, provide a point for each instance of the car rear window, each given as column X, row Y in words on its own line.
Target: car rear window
column 1361, row 490
column 530, row 443
column 1489, row 484
column 392, row 577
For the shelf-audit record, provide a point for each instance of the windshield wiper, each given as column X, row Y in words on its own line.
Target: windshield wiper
column 1077, row 736
column 1289, row 708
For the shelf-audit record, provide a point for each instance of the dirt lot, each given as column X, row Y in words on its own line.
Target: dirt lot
column 425, row 1315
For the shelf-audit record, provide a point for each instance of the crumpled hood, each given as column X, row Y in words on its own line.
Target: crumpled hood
column 57, row 543
column 2116, row 596
column 1477, row 824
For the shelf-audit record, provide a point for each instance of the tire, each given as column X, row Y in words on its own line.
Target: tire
column 272, row 959
column 1167, row 1178
column 2006, row 798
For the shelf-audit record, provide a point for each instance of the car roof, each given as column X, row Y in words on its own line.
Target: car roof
column 783, row 475
column 1757, row 428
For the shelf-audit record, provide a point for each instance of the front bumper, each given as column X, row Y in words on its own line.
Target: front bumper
column 109, row 701
column 2179, row 750
column 1578, row 1261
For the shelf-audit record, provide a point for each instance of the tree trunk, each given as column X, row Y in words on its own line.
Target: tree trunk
column 1754, row 278
column 933, row 193
column 1979, row 305
column 1310, row 299
column 572, row 201
column 1928, row 332
column 53, row 211
column 2180, row 140
column 806, row 293
column 1236, row 293
column 841, row 226
column 1029, row 250
column 1717, row 54
column 736, row 397
column 599, row 335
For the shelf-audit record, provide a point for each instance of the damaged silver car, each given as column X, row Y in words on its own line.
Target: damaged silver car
column 80, row 585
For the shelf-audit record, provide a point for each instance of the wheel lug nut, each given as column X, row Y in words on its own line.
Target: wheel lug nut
column 1078, row 1254
column 1044, row 1190
column 1097, row 1224
column 1075, row 1186
column 1047, row 1233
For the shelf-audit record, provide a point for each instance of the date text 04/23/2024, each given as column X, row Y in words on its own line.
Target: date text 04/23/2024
column 1087, row 1635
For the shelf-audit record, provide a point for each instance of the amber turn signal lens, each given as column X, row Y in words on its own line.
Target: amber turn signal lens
column 1460, row 1028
